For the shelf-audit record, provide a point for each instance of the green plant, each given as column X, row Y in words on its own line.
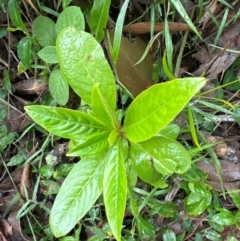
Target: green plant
column 111, row 153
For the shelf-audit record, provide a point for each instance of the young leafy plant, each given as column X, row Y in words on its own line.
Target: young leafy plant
column 106, row 147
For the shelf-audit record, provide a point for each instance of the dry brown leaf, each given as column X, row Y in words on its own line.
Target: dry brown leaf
column 6, row 199
column 16, row 121
column 5, row 230
column 25, row 181
column 29, row 86
column 221, row 146
column 220, row 60
column 212, row 8
column 230, row 170
column 18, row 235
column 135, row 78
column 144, row 27
column 6, row 183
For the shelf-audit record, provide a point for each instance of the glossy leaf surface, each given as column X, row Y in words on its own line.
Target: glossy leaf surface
column 168, row 155
column 143, row 165
column 77, row 194
column 225, row 218
column 94, row 145
column 24, row 50
column 156, row 107
column 15, row 15
column 83, row 64
column 58, row 87
column 70, row 16
column 115, row 189
column 170, row 131
column 102, row 111
column 98, row 18
column 199, row 199
column 63, row 122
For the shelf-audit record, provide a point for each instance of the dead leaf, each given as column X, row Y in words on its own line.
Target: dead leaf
column 221, row 146
column 144, row 27
column 221, row 59
column 5, row 228
column 29, row 86
column 135, row 78
column 6, row 199
column 6, row 183
column 18, row 235
column 230, row 170
column 211, row 8
column 16, row 120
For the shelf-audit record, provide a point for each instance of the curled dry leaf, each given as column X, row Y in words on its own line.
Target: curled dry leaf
column 135, row 78
column 6, row 199
column 211, row 8
column 29, row 86
column 221, row 146
column 18, row 234
column 221, row 59
column 5, row 230
column 6, row 183
column 230, row 173
column 25, row 180
column 230, row 170
column 144, row 27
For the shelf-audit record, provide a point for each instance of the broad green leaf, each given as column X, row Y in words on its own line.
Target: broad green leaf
column 15, row 15
column 78, row 193
column 3, row 32
column 48, row 54
column 44, row 31
column 236, row 198
column 115, row 189
column 50, row 187
column 6, row 81
column 225, row 219
column 212, row 235
column 70, row 16
column 170, row 131
column 102, row 111
column 157, row 106
column 83, row 64
column 165, row 209
column 46, row 171
column 24, row 50
column 94, row 145
column 99, row 17
column 145, row 228
column 113, row 137
column 5, row 137
column 144, row 165
column 65, row 3
column 168, row 155
column 198, row 200
column 179, row 7
column 58, row 87
column 169, row 235
column 63, row 122
column 17, row 159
